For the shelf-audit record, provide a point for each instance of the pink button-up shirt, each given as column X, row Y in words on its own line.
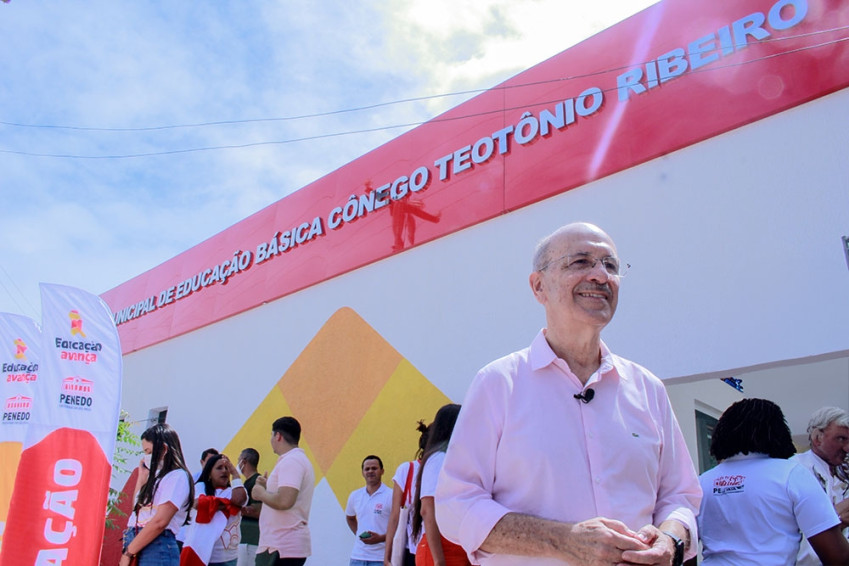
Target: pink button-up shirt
column 524, row 444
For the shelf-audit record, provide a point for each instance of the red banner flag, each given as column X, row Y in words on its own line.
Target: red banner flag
column 20, row 344
column 58, row 506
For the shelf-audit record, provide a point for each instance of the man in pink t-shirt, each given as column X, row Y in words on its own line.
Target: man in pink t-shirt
column 565, row 453
column 286, row 496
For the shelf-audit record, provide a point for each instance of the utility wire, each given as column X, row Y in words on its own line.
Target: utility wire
column 376, row 105
column 410, row 124
column 33, row 310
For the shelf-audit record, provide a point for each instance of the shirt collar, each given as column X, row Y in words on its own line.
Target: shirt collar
column 821, row 466
column 750, row 456
column 608, row 361
column 541, row 355
column 381, row 488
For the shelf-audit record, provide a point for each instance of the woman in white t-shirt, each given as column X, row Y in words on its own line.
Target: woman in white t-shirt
column 757, row 503
column 214, row 536
column 165, row 495
column 404, row 486
column 434, row 549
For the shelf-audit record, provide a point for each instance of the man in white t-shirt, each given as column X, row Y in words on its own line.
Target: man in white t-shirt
column 828, row 434
column 367, row 514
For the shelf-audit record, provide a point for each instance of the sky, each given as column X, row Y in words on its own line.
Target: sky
column 132, row 131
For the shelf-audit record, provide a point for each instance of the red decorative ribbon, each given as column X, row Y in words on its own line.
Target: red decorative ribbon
column 207, row 505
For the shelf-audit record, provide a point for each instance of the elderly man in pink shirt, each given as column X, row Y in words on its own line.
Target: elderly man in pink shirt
column 566, row 453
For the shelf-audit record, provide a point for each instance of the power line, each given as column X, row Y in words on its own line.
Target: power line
column 376, row 105
column 11, row 296
column 410, row 124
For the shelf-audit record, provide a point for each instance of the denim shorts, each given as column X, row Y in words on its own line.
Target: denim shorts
column 162, row 551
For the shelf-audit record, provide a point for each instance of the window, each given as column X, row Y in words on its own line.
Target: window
column 156, row 416
column 705, row 425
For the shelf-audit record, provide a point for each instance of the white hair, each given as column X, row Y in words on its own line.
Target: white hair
column 825, row 416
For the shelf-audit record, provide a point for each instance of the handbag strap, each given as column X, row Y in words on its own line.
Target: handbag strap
column 408, row 486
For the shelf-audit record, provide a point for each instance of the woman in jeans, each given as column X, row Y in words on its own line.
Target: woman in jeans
column 165, row 495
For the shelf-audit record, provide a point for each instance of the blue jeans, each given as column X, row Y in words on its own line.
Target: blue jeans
column 366, row 562
column 228, row 563
column 162, row 551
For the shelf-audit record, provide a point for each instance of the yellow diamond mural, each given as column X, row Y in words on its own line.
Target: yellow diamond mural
column 256, row 433
column 354, row 395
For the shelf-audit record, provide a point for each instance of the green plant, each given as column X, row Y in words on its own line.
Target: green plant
column 126, row 448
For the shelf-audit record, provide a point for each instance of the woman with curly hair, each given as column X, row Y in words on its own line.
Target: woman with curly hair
column 757, row 504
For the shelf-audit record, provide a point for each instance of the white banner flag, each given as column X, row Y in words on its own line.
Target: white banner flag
column 20, row 343
column 58, row 505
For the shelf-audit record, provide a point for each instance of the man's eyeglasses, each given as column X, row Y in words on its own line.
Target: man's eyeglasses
column 584, row 262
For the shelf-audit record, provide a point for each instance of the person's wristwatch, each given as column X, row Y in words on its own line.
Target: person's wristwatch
column 127, row 553
column 678, row 559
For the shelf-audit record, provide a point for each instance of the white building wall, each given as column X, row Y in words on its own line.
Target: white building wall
column 737, row 262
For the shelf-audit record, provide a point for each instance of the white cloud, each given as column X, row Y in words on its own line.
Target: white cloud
column 95, row 223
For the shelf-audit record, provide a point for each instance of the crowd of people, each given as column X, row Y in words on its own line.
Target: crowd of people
column 215, row 519
column 563, row 453
column 261, row 521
